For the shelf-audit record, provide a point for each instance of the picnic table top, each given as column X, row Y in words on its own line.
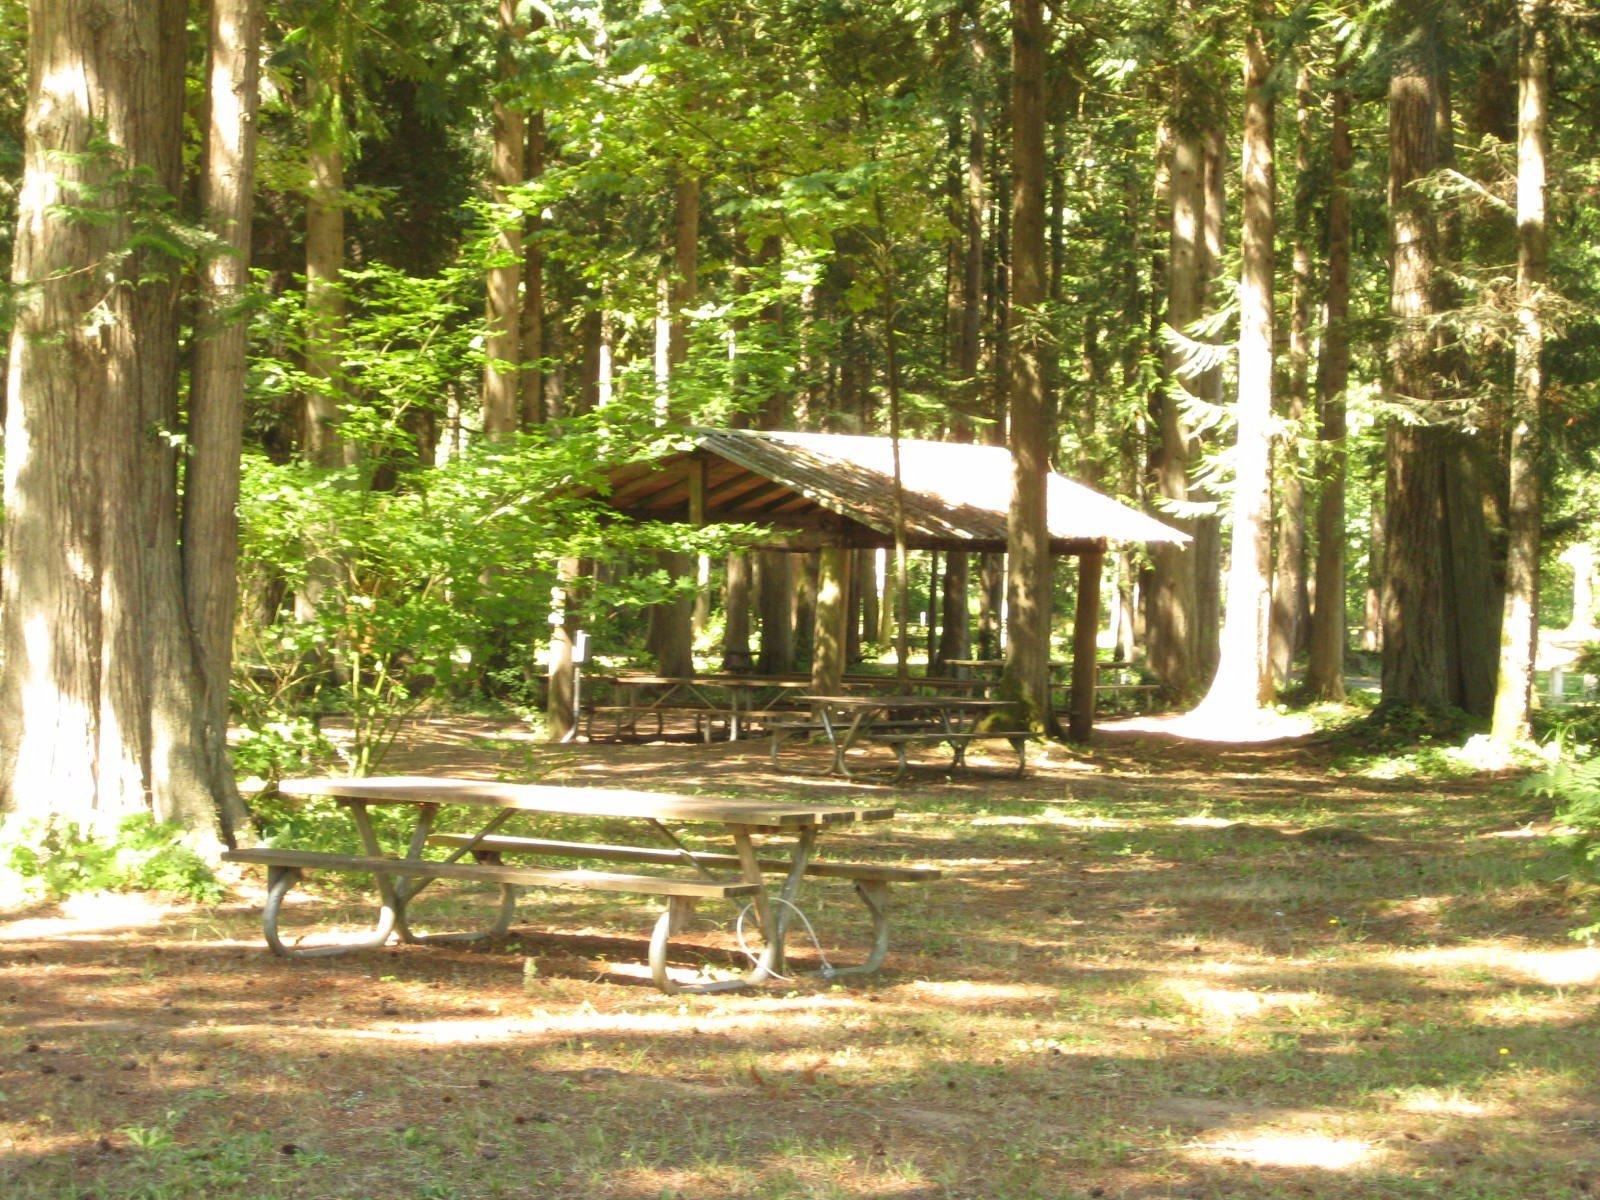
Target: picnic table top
column 558, row 800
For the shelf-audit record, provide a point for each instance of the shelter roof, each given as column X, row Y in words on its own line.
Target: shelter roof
column 838, row 489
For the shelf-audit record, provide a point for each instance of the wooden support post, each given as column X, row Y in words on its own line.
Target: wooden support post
column 697, row 492
column 561, row 716
column 832, row 611
column 1085, row 631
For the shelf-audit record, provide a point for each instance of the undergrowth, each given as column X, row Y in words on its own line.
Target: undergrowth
column 61, row 858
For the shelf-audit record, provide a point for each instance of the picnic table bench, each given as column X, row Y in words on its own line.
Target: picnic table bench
column 739, row 876
column 899, row 722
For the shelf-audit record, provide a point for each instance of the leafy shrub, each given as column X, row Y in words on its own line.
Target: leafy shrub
column 143, row 855
column 1576, row 789
column 272, row 749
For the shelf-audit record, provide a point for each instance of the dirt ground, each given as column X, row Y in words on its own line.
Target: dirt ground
column 1152, row 969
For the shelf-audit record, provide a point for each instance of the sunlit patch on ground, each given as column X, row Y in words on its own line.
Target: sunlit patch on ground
column 964, row 993
column 1432, row 1102
column 88, row 915
column 1234, row 1004
column 1550, row 967
column 1302, row 1150
column 1221, row 725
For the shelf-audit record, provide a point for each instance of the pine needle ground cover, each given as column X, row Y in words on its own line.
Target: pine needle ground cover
column 1156, row 971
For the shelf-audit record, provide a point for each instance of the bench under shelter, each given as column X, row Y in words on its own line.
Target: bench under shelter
column 835, row 493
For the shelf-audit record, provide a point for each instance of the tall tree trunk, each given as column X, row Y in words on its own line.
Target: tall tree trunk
column 956, row 634
column 533, row 348
column 1472, row 601
column 828, row 641
column 1173, row 573
column 805, row 573
column 216, row 395
column 864, row 572
column 1519, row 628
column 736, row 636
column 1243, row 681
column 1028, row 561
column 902, row 565
column 1216, row 291
column 775, row 593
column 1415, row 635
column 672, row 624
column 502, row 373
column 101, row 702
column 775, row 584
column 1289, row 575
column 325, row 303
column 992, row 567
column 1325, row 670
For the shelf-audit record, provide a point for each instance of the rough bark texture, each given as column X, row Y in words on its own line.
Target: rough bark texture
column 502, row 375
column 1289, row 602
column 1028, row 563
column 216, row 395
column 1171, row 600
column 736, row 637
column 1415, row 658
column 1325, row 669
column 1243, row 681
column 828, row 644
column 100, row 698
column 776, row 596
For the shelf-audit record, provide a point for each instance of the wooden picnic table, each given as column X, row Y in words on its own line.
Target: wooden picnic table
column 898, row 721
column 735, row 698
column 789, row 833
column 997, row 664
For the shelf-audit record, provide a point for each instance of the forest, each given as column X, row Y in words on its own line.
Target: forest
column 426, row 407
column 371, row 292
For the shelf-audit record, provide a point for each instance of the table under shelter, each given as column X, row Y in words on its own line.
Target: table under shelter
column 835, row 493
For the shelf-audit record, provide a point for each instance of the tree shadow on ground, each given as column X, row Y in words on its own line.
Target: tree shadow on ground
column 1098, row 1000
